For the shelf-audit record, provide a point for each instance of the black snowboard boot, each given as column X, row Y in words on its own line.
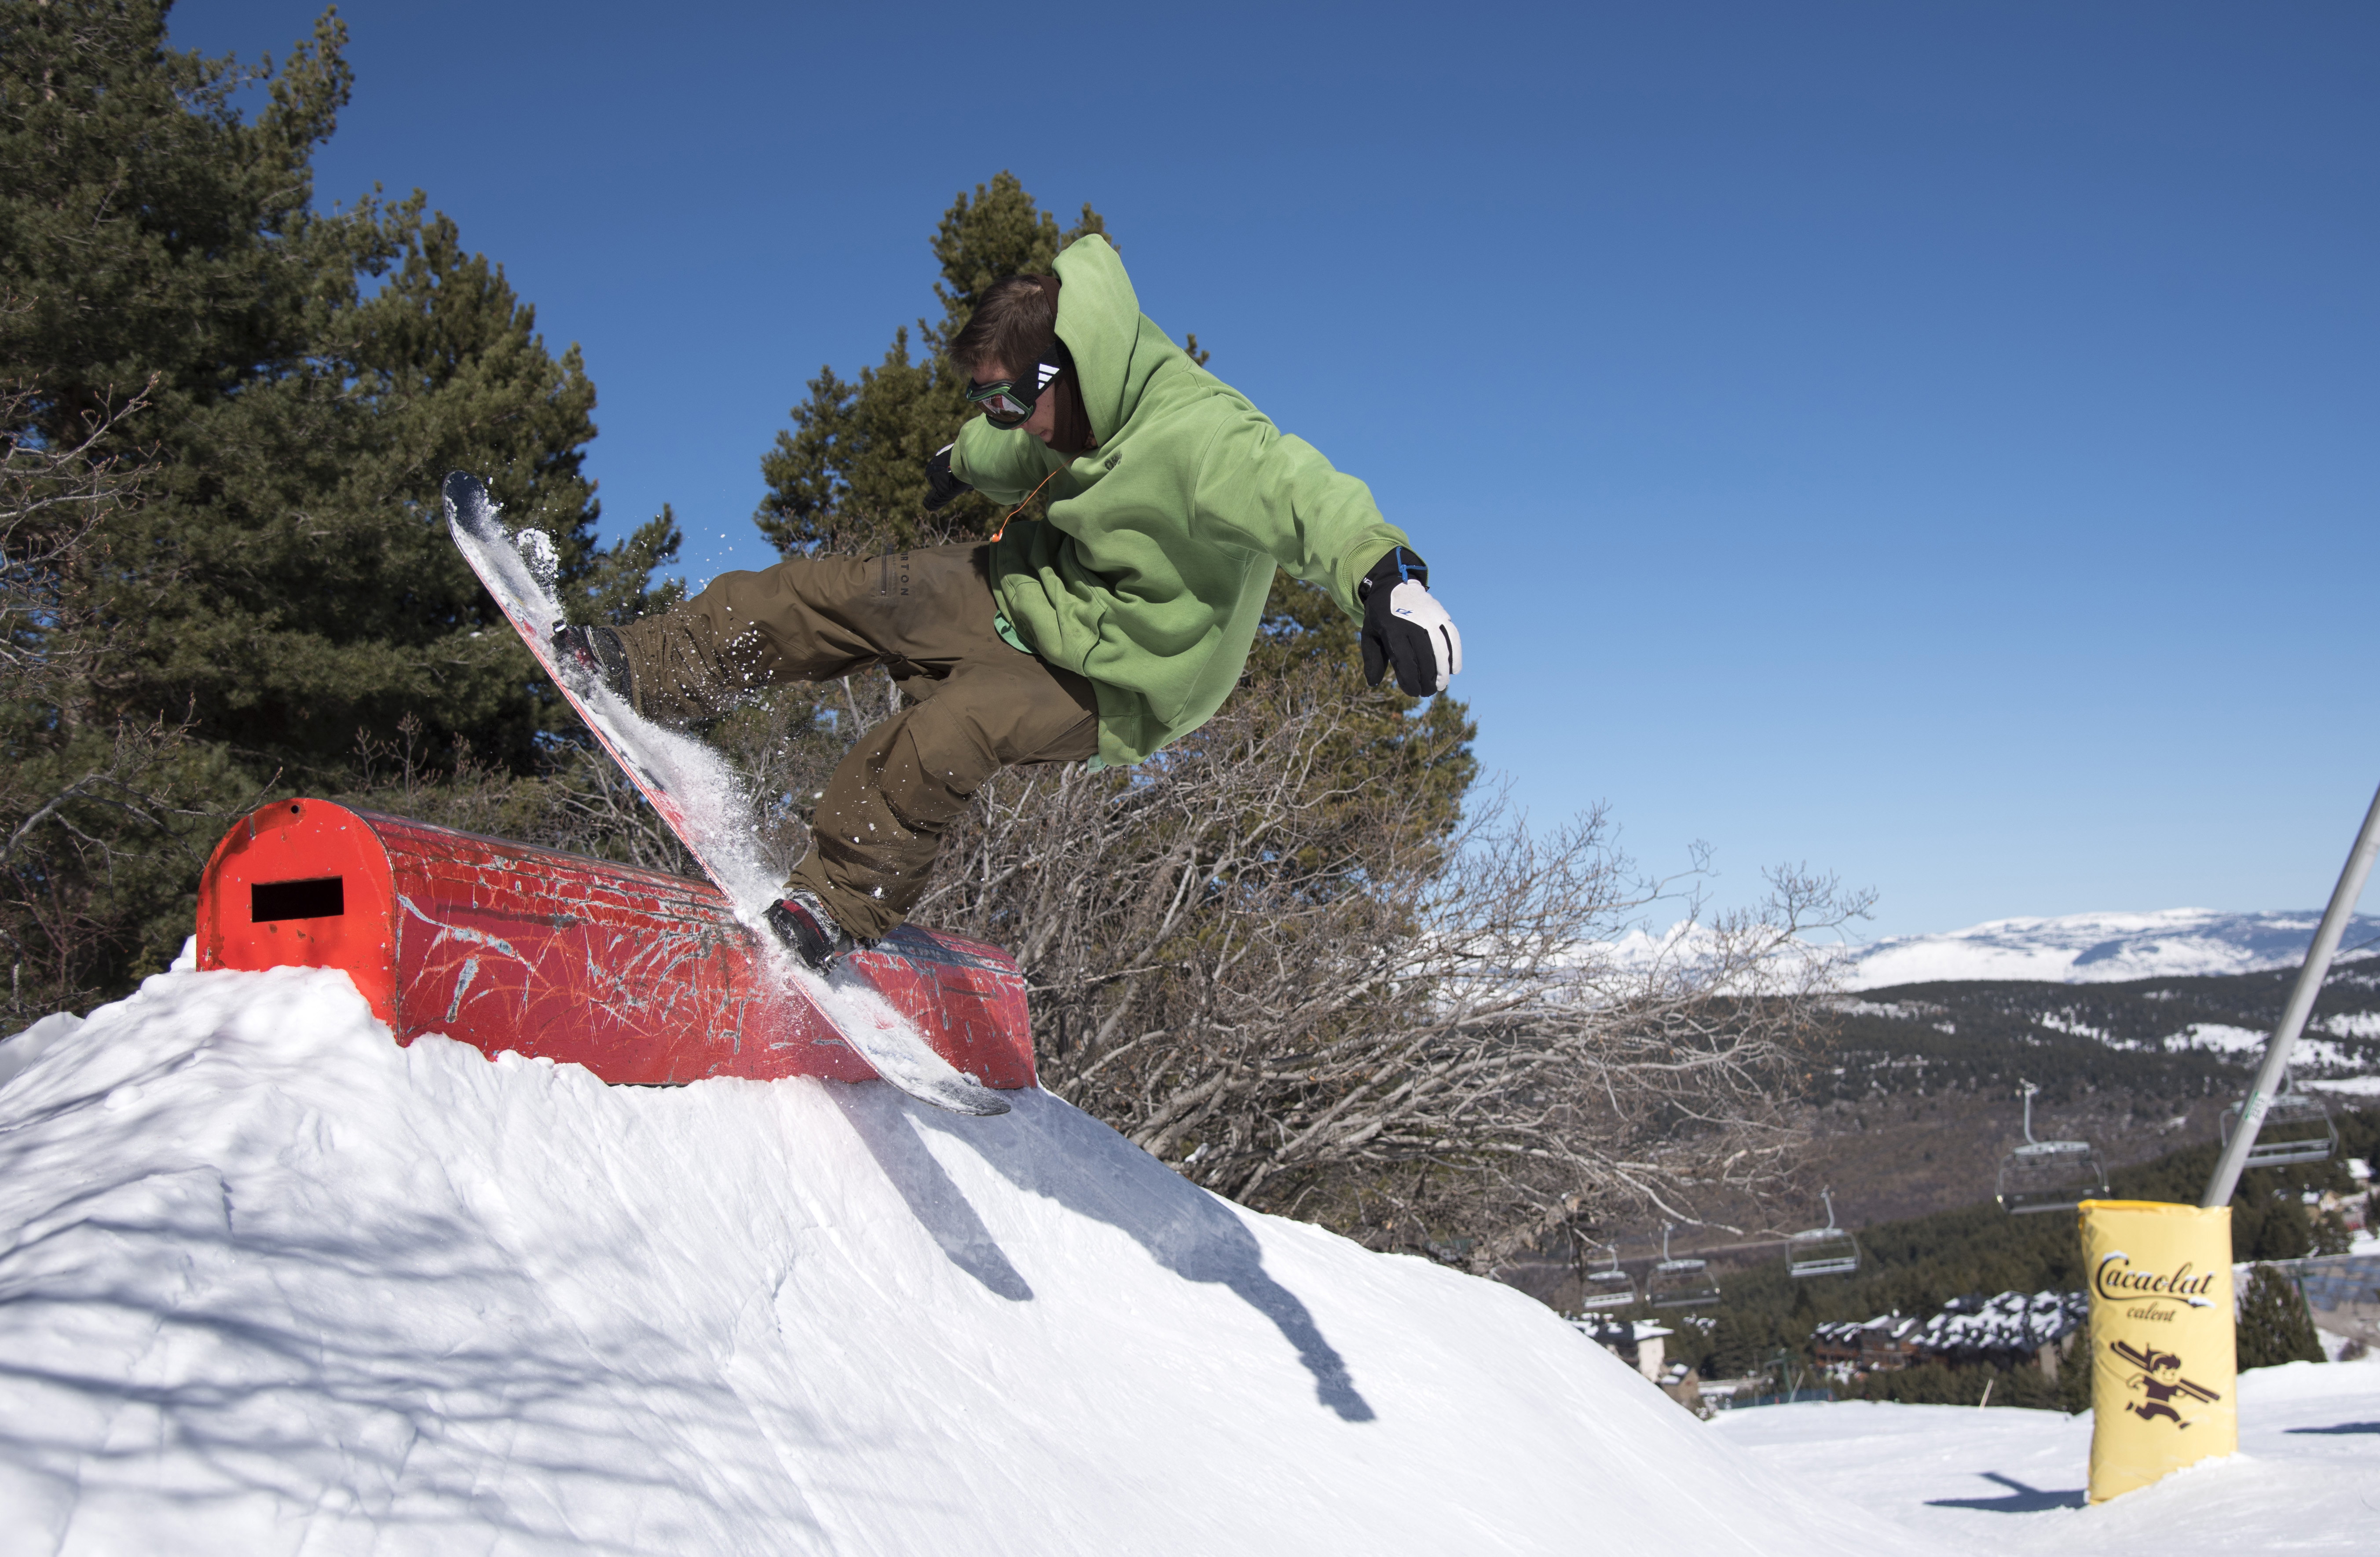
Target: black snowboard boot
column 810, row 931
column 592, row 657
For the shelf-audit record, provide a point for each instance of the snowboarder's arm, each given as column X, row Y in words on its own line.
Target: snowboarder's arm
column 1004, row 467
column 1260, row 489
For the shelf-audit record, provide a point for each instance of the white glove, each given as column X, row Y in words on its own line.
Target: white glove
column 1404, row 627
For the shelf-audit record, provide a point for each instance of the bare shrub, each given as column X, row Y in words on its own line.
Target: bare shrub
column 1277, row 983
column 1267, row 967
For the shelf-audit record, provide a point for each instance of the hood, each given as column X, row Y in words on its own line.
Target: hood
column 1116, row 351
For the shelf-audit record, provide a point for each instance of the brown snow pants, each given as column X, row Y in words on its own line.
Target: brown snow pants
column 973, row 704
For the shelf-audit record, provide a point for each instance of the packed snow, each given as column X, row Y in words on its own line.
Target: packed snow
column 1953, row 1478
column 270, row 1284
column 2099, row 948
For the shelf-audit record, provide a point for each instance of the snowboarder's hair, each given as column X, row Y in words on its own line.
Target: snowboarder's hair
column 1015, row 325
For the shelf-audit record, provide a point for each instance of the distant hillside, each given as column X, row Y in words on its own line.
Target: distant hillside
column 1912, row 1099
column 1916, row 1266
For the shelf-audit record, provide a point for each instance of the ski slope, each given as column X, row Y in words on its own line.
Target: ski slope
column 270, row 1285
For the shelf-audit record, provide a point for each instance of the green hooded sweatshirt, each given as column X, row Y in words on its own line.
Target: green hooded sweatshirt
column 1151, row 575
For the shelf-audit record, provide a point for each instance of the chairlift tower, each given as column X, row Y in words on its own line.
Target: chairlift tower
column 2240, row 1143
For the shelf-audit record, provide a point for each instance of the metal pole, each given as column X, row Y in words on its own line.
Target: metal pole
column 2293, row 1016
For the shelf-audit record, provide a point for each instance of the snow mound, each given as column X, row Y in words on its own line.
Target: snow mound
column 270, row 1284
column 2099, row 947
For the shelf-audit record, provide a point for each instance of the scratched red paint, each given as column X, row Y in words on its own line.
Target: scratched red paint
column 637, row 975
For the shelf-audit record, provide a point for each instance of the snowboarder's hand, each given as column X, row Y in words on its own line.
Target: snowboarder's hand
column 1406, row 628
column 592, row 656
column 941, row 483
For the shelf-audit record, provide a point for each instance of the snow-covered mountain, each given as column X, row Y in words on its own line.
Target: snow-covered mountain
column 2099, row 948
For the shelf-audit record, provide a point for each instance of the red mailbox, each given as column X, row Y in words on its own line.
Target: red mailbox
column 637, row 975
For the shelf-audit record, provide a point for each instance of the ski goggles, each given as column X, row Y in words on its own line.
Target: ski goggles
column 1007, row 402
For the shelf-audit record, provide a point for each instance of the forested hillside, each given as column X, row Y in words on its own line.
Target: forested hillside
column 1913, row 1105
column 2167, row 1037
column 1913, row 1266
column 1914, row 1095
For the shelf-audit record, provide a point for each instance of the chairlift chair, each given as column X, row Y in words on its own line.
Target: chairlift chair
column 1605, row 1290
column 1821, row 1251
column 2049, row 1175
column 1682, row 1282
column 2297, row 1129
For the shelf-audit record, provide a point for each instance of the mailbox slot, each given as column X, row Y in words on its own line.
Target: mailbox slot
column 321, row 896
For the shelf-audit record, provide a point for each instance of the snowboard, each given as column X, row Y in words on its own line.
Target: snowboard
column 693, row 790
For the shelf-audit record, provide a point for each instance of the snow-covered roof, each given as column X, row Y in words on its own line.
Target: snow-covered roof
column 1894, row 1326
column 1618, row 1331
column 2010, row 1322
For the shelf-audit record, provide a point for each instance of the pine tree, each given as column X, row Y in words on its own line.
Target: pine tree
column 288, row 583
column 269, row 589
column 849, row 476
column 2273, row 1324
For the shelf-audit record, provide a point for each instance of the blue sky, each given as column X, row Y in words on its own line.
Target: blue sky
column 1931, row 442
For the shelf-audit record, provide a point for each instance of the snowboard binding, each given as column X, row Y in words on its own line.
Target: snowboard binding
column 810, row 933
column 592, row 657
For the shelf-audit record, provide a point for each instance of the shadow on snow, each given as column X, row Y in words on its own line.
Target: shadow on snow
column 1050, row 1149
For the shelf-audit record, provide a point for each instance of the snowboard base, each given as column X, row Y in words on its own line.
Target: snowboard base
column 692, row 788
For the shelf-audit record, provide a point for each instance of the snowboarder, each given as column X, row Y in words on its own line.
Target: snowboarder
column 1120, row 625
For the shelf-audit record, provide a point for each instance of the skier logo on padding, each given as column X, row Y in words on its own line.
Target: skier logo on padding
column 2159, row 1379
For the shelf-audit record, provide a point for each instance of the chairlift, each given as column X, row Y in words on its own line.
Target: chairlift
column 1682, row 1282
column 2297, row 1129
column 2049, row 1175
column 1602, row 1291
column 1821, row 1251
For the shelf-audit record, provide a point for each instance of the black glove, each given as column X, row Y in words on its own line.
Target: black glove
column 941, row 483
column 1404, row 627
column 592, row 657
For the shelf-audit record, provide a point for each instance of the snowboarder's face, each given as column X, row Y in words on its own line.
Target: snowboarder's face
column 1043, row 422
